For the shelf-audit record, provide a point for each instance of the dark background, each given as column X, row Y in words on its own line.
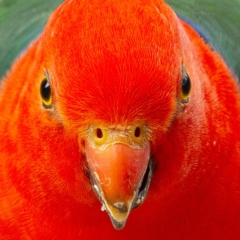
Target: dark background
column 23, row 20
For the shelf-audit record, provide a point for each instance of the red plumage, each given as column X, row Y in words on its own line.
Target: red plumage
column 117, row 65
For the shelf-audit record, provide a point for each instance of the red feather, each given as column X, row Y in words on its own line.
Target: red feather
column 119, row 63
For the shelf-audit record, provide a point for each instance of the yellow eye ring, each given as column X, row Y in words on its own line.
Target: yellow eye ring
column 46, row 94
column 185, row 88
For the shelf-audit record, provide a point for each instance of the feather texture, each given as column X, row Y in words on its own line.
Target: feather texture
column 119, row 63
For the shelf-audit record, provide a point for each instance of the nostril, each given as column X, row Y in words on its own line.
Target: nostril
column 137, row 132
column 99, row 133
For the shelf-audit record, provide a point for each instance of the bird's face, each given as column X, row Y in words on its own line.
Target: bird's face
column 117, row 84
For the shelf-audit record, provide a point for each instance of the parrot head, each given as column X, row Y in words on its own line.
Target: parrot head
column 115, row 78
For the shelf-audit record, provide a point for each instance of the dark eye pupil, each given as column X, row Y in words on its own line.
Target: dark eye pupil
column 45, row 90
column 186, row 85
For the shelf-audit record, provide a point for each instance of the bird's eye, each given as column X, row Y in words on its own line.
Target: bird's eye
column 46, row 94
column 185, row 88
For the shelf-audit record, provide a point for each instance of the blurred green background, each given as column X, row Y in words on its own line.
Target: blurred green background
column 23, row 20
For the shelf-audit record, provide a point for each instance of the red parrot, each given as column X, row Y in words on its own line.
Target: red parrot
column 118, row 104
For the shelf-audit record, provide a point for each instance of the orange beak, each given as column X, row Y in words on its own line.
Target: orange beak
column 117, row 174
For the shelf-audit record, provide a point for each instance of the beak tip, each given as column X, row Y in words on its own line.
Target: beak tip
column 118, row 225
column 118, row 213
